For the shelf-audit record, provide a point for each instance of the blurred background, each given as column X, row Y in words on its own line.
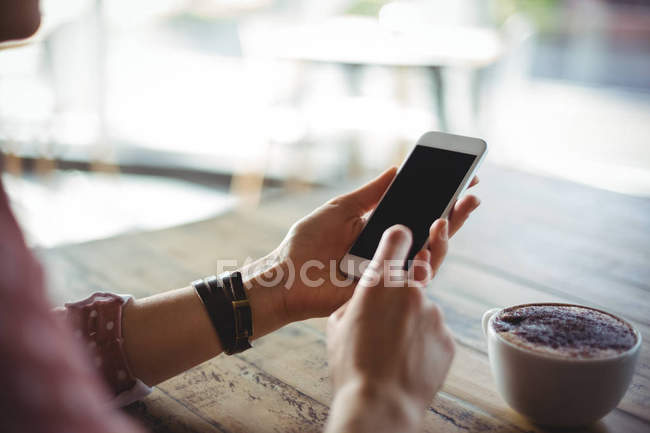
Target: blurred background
column 126, row 115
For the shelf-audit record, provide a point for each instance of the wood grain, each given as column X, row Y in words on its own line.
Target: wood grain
column 533, row 239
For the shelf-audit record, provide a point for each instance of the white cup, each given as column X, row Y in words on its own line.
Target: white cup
column 556, row 391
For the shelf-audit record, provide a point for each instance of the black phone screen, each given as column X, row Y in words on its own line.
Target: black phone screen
column 417, row 197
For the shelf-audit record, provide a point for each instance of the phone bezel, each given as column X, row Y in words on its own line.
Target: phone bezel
column 354, row 265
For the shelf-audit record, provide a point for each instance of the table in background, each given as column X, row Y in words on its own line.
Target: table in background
column 533, row 239
column 358, row 41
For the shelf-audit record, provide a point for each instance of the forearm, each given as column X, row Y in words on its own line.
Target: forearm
column 168, row 333
column 361, row 408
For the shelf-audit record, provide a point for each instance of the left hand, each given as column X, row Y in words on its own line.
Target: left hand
column 326, row 234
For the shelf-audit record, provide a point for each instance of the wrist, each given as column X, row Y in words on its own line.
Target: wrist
column 264, row 282
column 363, row 405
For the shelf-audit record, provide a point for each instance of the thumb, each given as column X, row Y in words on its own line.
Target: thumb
column 390, row 256
column 366, row 197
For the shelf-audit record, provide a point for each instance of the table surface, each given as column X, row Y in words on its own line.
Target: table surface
column 533, row 239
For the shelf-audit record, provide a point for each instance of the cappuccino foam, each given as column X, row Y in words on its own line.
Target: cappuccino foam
column 565, row 330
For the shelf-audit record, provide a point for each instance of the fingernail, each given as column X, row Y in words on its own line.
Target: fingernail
column 478, row 203
column 444, row 230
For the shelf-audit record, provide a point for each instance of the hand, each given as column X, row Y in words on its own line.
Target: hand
column 389, row 349
column 326, row 235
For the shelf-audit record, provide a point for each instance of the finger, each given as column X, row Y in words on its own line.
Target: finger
column 421, row 268
column 394, row 245
column 366, row 197
column 474, row 181
column 461, row 211
column 390, row 257
column 438, row 242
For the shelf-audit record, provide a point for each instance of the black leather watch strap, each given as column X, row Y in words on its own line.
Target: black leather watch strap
column 225, row 300
column 243, row 317
column 219, row 311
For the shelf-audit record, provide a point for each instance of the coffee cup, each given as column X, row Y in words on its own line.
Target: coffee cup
column 552, row 387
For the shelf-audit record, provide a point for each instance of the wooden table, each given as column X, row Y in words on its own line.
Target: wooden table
column 533, row 239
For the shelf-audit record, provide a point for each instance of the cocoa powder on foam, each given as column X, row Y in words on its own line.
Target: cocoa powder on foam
column 564, row 330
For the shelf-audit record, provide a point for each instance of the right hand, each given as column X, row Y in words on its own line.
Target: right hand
column 388, row 346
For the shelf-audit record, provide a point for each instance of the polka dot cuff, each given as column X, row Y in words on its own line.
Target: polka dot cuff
column 97, row 323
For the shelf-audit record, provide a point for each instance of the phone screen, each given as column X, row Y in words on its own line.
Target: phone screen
column 417, row 197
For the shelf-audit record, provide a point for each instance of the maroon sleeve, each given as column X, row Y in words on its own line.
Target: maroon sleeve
column 47, row 383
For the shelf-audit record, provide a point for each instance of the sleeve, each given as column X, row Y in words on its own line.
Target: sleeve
column 97, row 323
column 46, row 381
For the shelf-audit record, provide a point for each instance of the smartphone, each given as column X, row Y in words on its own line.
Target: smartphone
column 432, row 177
